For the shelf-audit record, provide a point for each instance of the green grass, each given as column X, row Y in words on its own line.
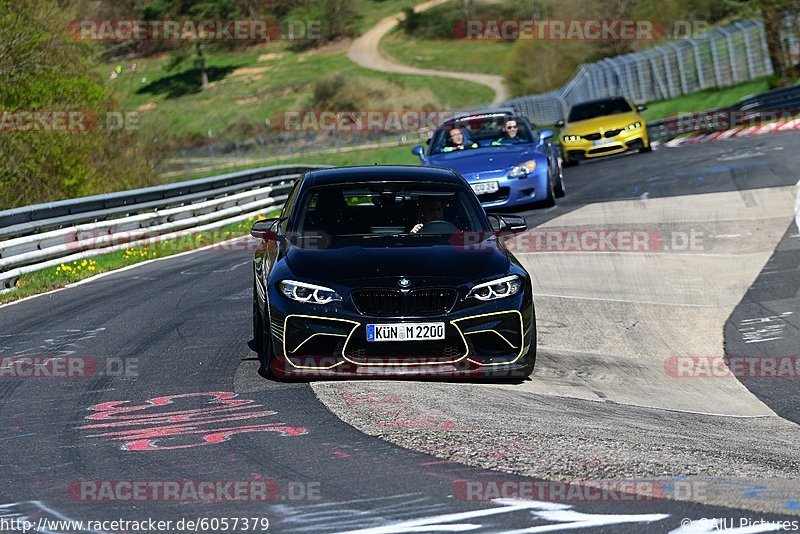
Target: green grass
column 399, row 155
column 68, row 273
column 485, row 57
column 277, row 79
column 374, row 10
column 702, row 100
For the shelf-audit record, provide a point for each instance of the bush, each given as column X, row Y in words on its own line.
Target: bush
column 342, row 93
column 44, row 69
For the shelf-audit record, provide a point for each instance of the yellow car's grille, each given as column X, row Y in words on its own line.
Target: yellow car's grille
column 598, row 135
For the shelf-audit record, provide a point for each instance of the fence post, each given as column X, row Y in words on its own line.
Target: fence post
column 667, row 70
column 764, row 49
column 213, row 159
column 731, row 54
column 748, row 51
column 715, row 59
column 682, row 70
column 701, row 78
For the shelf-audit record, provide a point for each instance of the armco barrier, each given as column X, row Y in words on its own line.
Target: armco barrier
column 48, row 234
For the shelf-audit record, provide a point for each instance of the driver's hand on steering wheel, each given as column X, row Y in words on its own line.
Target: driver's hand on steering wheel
column 417, row 228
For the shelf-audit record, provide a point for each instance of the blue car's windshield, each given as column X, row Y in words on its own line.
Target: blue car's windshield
column 478, row 131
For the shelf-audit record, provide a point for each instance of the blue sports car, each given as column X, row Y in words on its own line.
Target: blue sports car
column 505, row 160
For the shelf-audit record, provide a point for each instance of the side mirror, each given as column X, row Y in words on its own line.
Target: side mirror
column 509, row 224
column 560, row 123
column 264, row 229
column 545, row 134
column 641, row 107
column 418, row 151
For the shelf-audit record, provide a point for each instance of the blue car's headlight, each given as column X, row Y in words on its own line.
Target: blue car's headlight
column 303, row 292
column 522, row 170
column 497, row 289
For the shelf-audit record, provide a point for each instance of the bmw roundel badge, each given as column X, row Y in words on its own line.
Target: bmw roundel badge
column 404, row 282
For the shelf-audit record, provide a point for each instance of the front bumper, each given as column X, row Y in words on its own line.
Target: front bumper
column 622, row 142
column 513, row 191
column 494, row 338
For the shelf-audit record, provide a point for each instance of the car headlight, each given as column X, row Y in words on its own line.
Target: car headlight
column 522, row 170
column 303, row 292
column 633, row 126
column 497, row 289
column 572, row 138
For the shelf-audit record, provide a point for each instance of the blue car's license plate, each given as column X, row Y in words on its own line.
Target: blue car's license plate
column 405, row 331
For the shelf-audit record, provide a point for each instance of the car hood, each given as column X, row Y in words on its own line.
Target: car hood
column 362, row 261
column 607, row 122
column 497, row 158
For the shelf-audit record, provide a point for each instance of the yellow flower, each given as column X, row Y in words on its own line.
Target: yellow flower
column 261, row 217
column 92, row 267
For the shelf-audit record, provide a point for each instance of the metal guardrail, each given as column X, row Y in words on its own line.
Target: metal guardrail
column 134, row 218
column 766, row 106
column 29, row 219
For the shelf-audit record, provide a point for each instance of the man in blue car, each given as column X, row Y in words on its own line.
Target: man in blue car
column 456, row 141
column 510, row 137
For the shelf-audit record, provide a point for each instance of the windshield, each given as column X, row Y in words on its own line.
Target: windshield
column 381, row 209
column 590, row 110
column 480, row 131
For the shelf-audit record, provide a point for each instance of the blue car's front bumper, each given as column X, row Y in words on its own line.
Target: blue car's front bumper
column 512, row 192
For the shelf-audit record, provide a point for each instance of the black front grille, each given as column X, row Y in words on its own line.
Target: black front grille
column 500, row 194
column 397, row 303
column 602, row 149
column 612, row 133
column 592, row 136
column 360, row 350
column 423, row 350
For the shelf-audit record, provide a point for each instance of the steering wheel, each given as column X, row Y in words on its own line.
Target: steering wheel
column 438, row 227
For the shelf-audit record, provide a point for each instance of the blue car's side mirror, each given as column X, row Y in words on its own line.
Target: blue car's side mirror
column 418, row 151
column 545, row 134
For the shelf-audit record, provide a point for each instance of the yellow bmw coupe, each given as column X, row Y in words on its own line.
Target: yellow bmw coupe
column 601, row 128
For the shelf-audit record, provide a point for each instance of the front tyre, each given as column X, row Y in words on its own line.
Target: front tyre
column 262, row 339
column 550, row 200
column 560, row 190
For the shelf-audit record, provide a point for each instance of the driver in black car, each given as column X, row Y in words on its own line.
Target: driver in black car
column 429, row 209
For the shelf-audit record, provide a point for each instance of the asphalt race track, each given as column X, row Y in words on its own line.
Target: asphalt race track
column 169, row 392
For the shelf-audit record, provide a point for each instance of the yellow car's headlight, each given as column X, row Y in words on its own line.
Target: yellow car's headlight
column 633, row 126
column 572, row 138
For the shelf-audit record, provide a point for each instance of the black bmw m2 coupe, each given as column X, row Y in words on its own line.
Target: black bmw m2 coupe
column 390, row 270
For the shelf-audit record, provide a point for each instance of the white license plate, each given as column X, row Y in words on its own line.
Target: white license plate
column 483, row 188
column 405, row 331
column 601, row 142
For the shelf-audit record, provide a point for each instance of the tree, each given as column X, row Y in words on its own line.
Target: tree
column 780, row 18
column 44, row 70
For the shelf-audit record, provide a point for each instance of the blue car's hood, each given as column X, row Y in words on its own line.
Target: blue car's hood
column 484, row 159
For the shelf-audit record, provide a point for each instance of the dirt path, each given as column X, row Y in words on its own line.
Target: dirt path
column 365, row 52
